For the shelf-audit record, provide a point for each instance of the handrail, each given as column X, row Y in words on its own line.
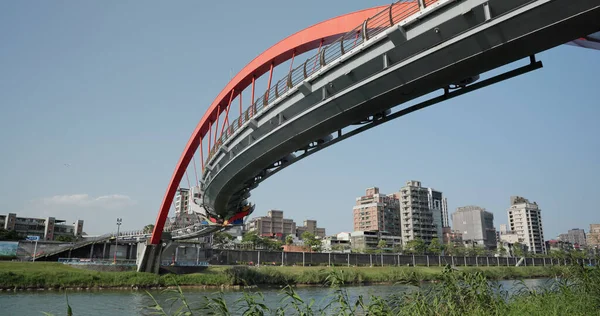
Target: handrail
column 371, row 27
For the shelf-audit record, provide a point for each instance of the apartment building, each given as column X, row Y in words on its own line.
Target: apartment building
column 182, row 201
column 438, row 204
column 376, row 211
column 363, row 240
column 575, row 236
column 272, row 225
column 48, row 228
column 418, row 219
column 310, row 225
column 451, row 236
column 525, row 219
column 593, row 236
column 476, row 225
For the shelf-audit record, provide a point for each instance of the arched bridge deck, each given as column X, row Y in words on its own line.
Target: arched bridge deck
column 393, row 55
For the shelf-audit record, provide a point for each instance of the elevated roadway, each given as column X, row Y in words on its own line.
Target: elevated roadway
column 395, row 55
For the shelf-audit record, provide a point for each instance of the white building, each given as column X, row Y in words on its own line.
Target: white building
column 525, row 219
column 422, row 212
column 182, row 201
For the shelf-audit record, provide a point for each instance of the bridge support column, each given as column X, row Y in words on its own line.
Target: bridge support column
column 148, row 259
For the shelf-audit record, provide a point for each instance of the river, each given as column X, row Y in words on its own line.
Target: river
column 129, row 303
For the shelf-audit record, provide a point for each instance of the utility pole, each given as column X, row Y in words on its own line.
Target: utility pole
column 119, row 220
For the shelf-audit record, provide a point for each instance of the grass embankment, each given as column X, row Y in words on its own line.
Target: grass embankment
column 56, row 275
column 458, row 293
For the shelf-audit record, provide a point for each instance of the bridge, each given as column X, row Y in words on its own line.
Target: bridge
column 362, row 68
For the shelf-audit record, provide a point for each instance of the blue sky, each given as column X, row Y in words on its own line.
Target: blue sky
column 115, row 88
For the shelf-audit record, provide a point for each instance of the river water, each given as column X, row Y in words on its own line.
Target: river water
column 129, row 303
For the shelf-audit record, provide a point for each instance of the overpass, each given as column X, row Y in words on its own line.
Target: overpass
column 366, row 64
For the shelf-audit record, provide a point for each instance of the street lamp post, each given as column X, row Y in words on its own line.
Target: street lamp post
column 119, row 220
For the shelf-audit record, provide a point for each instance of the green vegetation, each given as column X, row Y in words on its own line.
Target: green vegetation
column 9, row 235
column 458, row 293
column 255, row 240
column 64, row 238
column 148, row 229
column 56, row 275
column 311, row 241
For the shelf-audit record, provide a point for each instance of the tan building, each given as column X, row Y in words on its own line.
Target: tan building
column 48, row 228
column 310, row 225
column 272, row 225
column 452, row 236
column 365, row 240
column 377, row 212
column 593, row 236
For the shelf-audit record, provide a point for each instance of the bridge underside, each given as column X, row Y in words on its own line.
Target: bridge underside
column 464, row 39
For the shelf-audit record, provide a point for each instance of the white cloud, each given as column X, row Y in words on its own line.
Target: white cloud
column 99, row 213
column 84, row 200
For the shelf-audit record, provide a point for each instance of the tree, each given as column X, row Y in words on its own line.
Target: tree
column 9, row 235
column 289, row 240
column 501, row 251
column 435, row 247
column 416, row 246
column 148, row 229
column 397, row 248
column 453, row 249
column 477, row 251
column 65, row 238
column 253, row 238
column 517, row 250
column 381, row 245
column 221, row 240
column 311, row 241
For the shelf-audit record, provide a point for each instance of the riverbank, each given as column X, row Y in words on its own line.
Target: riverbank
column 49, row 276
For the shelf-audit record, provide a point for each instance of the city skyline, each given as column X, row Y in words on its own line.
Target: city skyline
column 94, row 125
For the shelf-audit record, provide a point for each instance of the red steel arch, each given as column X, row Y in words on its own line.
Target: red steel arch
column 322, row 33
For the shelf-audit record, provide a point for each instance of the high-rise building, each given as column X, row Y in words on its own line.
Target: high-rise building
column 418, row 220
column 525, row 219
column 377, row 212
column 575, row 236
column 593, row 236
column 476, row 225
column 439, row 206
column 48, row 228
column 272, row 225
column 182, row 201
column 310, row 225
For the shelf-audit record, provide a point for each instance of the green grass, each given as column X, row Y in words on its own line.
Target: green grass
column 467, row 292
column 56, row 275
